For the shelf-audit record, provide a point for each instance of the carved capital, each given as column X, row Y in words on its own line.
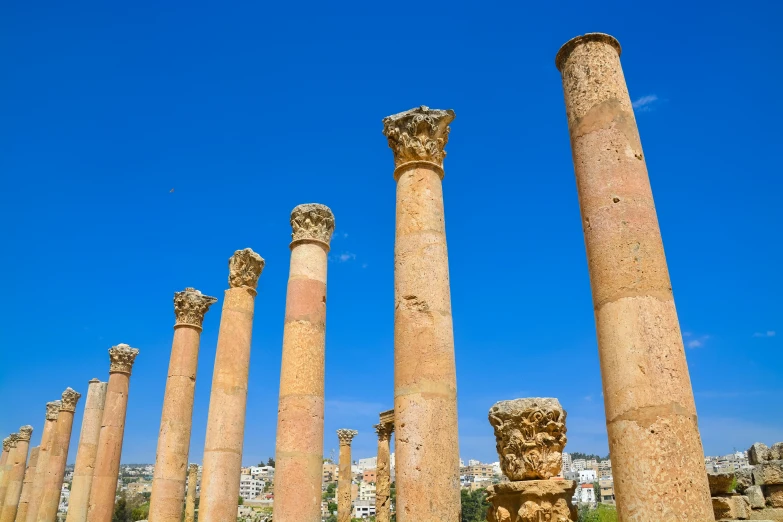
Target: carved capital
column 122, row 357
column 244, row 269
column 384, row 431
column 193, row 469
column 70, row 398
column 346, row 436
column 53, row 410
column 25, row 432
column 190, row 306
column 12, row 440
column 419, row 134
column 312, row 221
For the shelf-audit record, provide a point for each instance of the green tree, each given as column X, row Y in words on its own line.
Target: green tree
column 241, row 501
column 474, row 505
column 121, row 513
column 141, row 512
column 270, row 462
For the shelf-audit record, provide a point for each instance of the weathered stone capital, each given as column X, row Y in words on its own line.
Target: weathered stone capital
column 384, row 431
column 7, row 443
column 346, row 436
column 419, row 134
column 53, row 410
column 190, row 306
column 12, row 440
column 122, row 358
column 193, row 468
column 313, row 222
column 70, row 398
column 244, row 269
column 25, row 432
column 565, row 51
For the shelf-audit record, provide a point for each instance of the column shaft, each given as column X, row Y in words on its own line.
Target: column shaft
column 6, row 462
column 190, row 500
column 383, row 480
column 344, row 481
column 15, row 476
column 86, row 452
column 24, row 497
column 42, row 467
column 656, row 450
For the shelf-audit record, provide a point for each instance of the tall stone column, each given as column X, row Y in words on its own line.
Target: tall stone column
column 42, row 467
column 4, row 460
column 53, row 482
column 107, row 459
column 300, row 414
column 168, row 483
column 10, row 449
column 344, row 477
column 228, row 400
column 87, row 451
column 16, row 474
column 27, row 485
column 425, row 380
column 657, row 456
column 383, row 468
column 190, row 500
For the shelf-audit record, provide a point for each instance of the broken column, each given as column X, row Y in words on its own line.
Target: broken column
column 530, row 435
column 14, row 476
column 107, row 460
column 344, row 477
column 27, row 484
column 300, row 415
column 190, row 499
column 168, row 482
column 425, row 382
column 228, row 400
column 42, row 467
column 657, row 455
column 86, row 452
column 384, row 429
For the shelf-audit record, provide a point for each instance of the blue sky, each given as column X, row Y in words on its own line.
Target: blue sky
column 247, row 110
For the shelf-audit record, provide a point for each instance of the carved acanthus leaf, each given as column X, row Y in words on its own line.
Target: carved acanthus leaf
column 70, row 398
column 25, row 432
column 419, row 134
column 190, row 306
column 384, row 431
column 53, row 409
column 12, row 440
column 346, row 436
column 244, row 269
column 122, row 358
column 7, row 443
column 312, row 221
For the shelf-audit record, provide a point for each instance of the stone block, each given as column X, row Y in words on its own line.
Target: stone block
column 734, row 507
column 721, row 483
column 531, row 500
column 744, row 479
column 767, row 514
column 769, row 472
column 758, row 453
column 774, row 495
column 755, row 496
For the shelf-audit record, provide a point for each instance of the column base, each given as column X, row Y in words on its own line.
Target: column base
column 532, row 501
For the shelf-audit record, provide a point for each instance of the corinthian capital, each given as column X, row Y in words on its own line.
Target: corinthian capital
column 419, row 134
column 25, row 432
column 244, row 269
column 312, row 221
column 53, row 409
column 70, row 398
column 8, row 441
column 190, row 307
column 384, row 431
column 122, row 357
column 346, row 436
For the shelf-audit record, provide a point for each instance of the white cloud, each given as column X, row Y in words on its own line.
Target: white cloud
column 692, row 341
column 645, row 102
column 346, row 256
column 768, row 333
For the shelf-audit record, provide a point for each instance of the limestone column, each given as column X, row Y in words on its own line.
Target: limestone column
column 228, row 400
column 10, row 448
column 24, row 498
column 87, row 451
column 344, row 477
column 383, row 468
column 190, row 500
column 107, row 460
column 425, row 381
column 4, row 460
column 53, row 482
column 168, row 483
column 657, row 456
column 42, row 466
column 300, row 414
column 16, row 474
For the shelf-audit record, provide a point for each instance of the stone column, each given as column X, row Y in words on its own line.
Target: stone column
column 300, row 414
column 87, row 451
column 27, row 485
column 41, row 468
column 15, row 475
column 10, row 448
column 425, row 381
column 228, row 400
column 168, row 483
column 53, row 482
column 190, row 500
column 107, row 459
column 383, row 468
column 344, row 477
column 657, row 456
column 4, row 460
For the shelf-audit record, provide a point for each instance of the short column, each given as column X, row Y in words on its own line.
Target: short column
column 190, row 499
column 168, row 482
column 16, row 474
column 344, row 478
column 27, row 484
column 657, row 455
column 228, row 400
column 53, row 482
column 383, row 469
column 41, row 469
column 300, row 414
column 425, row 378
column 107, row 459
column 86, row 452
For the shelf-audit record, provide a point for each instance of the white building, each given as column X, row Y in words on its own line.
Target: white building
column 249, row 487
column 566, row 463
column 584, row 494
column 365, row 464
column 587, row 475
column 367, row 491
column 578, row 465
column 265, row 473
column 473, row 462
column 496, row 468
column 363, row 509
